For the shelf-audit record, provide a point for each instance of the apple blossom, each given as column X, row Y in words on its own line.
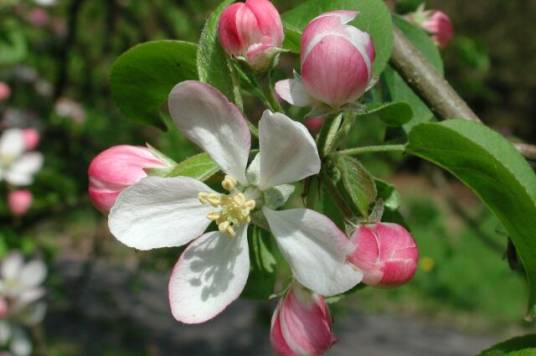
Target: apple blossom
column 336, row 63
column 301, row 324
column 435, row 22
column 251, row 31
column 117, row 168
column 5, row 91
column 386, row 253
column 17, row 166
column 31, row 138
column 19, row 201
column 213, row 270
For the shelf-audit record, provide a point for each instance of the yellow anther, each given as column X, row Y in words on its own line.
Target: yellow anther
column 250, row 204
column 214, row 215
column 229, row 183
column 203, row 197
column 224, row 226
column 214, row 199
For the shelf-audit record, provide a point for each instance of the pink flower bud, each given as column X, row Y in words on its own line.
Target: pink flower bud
column 386, row 253
column 301, row 324
column 115, row 169
column 438, row 24
column 251, row 30
column 19, row 201
column 38, row 17
column 4, row 308
column 5, row 91
column 314, row 124
column 31, row 138
column 336, row 59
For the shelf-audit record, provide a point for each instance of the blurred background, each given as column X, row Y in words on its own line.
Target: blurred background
column 106, row 299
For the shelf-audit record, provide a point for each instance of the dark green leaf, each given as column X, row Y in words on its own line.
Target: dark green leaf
column 518, row 346
column 143, row 76
column 357, row 182
column 262, row 277
column 393, row 114
column 374, row 18
column 489, row 165
column 211, row 58
column 200, row 166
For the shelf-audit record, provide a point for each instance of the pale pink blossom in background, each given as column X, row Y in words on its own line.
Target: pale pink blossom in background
column 5, row 91
column 117, row 168
column 336, row 63
column 31, row 138
column 38, row 17
column 301, row 324
column 386, row 253
column 252, row 31
column 19, row 201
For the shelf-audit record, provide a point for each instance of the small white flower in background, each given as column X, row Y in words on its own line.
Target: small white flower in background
column 17, row 166
column 213, row 270
column 45, row 2
column 21, row 292
column 68, row 108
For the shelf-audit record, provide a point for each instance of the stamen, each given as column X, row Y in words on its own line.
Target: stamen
column 229, row 183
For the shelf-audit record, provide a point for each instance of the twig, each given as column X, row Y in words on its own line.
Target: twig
column 433, row 88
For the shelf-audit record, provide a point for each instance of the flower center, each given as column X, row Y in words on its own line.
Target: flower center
column 233, row 208
column 6, row 160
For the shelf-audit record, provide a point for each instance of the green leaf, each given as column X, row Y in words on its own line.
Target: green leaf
column 398, row 89
column 211, row 58
column 200, row 167
column 518, row 346
column 262, row 277
column 489, row 165
column 392, row 114
column 357, row 183
column 13, row 47
column 374, row 18
column 143, row 77
column 388, row 193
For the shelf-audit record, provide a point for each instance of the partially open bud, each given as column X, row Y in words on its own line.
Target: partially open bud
column 301, row 324
column 116, row 169
column 386, row 253
column 31, row 138
column 19, row 201
column 5, row 91
column 251, row 31
column 435, row 22
column 336, row 63
column 314, row 124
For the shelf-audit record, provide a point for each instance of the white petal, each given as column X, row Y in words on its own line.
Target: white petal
column 207, row 118
column 294, row 93
column 288, row 151
column 12, row 143
column 210, row 274
column 22, row 170
column 33, row 273
column 344, row 15
column 29, row 296
column 12, row 266
column 160, row 212
column 315, row 249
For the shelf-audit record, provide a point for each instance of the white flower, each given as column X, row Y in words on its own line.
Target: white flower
column 213, row 270
column 17, row 166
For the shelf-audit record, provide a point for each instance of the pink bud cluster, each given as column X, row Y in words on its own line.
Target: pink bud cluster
column 252, row 31
column 117, row 168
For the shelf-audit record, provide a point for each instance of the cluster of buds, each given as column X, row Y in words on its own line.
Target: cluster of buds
column 18, row 164
column 21, row 303
column 116, row 169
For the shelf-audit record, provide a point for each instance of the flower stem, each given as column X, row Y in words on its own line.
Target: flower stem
column 236, row 86
column 372, row 149
column 274, row 101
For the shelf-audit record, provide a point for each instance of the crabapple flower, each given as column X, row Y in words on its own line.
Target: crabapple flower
column 213, row 270
column 434, row 22
column 386, row 253
column 336, row 63
column 31, row 138
column 314, row 124
column 117, row 168
column 19, row 201
column 17, row 166
column 301, row 324
column 251, row 31
column 5, row 91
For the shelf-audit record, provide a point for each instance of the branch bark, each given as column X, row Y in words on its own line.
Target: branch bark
column 433, row 89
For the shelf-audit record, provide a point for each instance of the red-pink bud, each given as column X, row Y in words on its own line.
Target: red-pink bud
column 4, row 308
column 19, row 201
column 251, row 30
column 301, row 324
column 31, row 138
column 115, row 169
column 5, row 91
column 386, row 253
column 438, row 24
column 336, row 59
column 38, row 17
column 314, row 124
